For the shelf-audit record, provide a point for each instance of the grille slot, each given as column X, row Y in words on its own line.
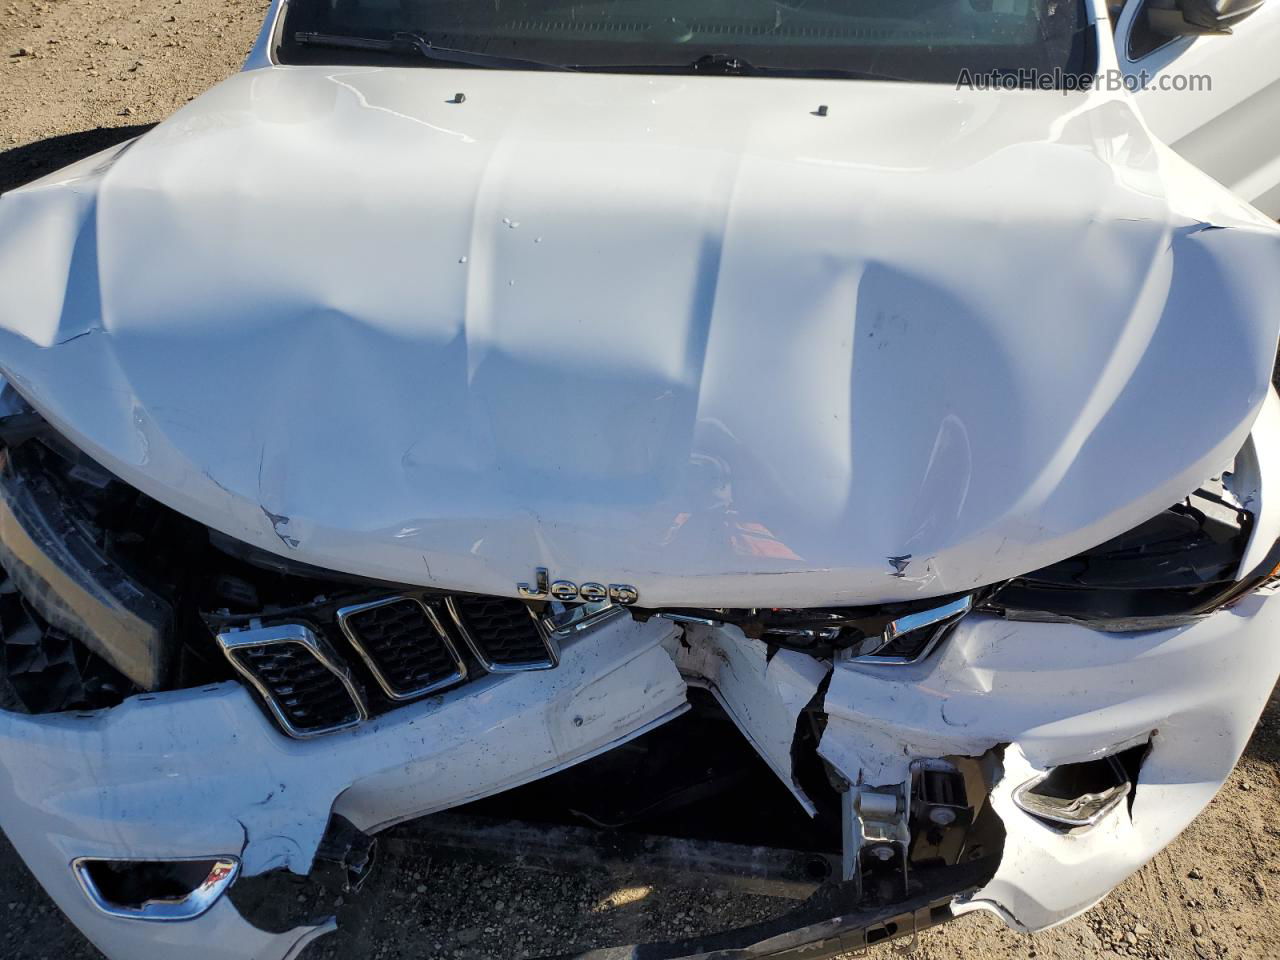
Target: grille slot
column 307, row 687
column 504, row 634
column 404, row 645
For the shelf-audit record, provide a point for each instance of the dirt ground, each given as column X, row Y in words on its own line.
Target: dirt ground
column 79, row 75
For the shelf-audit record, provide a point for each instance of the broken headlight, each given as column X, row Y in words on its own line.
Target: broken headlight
column 1180, row 564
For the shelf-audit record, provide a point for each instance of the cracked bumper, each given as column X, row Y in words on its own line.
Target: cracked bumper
column 1056, row 694
column 202, row 772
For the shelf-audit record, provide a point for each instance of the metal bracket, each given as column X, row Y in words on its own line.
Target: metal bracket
column 875, row 824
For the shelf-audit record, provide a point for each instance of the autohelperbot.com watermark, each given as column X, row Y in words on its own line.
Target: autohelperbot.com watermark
column 1107, row 80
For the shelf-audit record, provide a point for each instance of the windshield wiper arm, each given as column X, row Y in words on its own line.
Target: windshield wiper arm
column 410, row 43
column 730, row 65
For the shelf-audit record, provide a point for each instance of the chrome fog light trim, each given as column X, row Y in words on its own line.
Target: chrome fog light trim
column 222, row 873
column 1107, row 786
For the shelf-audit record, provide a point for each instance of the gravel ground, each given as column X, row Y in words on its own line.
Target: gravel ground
column 79, row 75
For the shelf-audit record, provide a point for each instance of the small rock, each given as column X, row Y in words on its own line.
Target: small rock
column 1246, row 785
column 1197, row 930
column 1195, row 874
column 1130, row 937
column 1141, row 930
column 126, row 112
column 422, row 888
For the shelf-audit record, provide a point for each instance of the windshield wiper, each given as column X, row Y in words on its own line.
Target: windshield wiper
column 730, row 65
column 410, row 43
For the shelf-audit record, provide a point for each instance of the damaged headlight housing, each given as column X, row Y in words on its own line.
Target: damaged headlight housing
column 1181, row 564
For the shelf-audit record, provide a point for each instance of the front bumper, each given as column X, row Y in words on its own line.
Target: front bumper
column 203, row 773
column 1057, row 694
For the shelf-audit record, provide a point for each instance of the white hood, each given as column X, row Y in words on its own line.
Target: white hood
column 676, row 332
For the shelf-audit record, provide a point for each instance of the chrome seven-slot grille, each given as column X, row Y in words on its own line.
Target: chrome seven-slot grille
column 307, row 693
column 411, row 645
column 405, row 646
column 498, row 632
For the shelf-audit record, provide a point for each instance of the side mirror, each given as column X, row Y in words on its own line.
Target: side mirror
column 1183, row 18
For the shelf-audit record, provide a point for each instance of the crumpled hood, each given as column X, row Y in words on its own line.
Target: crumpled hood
column 676, row 332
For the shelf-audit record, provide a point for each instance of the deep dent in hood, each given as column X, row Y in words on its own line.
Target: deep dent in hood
column 675, row 332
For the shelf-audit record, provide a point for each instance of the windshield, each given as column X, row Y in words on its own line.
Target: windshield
column 919, row 40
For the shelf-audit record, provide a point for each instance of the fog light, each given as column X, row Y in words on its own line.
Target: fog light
column 155, row 890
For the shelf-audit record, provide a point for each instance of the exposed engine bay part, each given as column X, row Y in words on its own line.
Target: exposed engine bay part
column 937, row 815
column 43, row 670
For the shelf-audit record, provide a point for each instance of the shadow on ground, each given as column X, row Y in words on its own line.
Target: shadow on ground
column 32, row 160
column 1264, row 745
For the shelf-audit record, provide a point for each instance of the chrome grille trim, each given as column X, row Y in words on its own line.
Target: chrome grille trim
column 940, row 620
column 349, row 630
column 298, row 634
column 549, row 642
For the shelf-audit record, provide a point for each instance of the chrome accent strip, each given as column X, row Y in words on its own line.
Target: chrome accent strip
column 460, row 667
column 221, row 875
column 549, row 640
column 589, row 622
column 941, row 617
column 304, row 636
